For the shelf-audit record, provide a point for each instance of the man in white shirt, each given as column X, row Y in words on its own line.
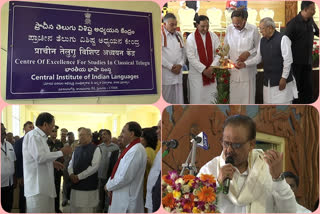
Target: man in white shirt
column 173, row 58
column 126, row 181
column 201, row 53
column 243, row 39
column 38, row 163
column 293, row 181
column 275, row 52
column 8, row 158
column 83, row 171
column 257, row 183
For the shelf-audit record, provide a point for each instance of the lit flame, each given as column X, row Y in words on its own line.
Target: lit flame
column 230, row 65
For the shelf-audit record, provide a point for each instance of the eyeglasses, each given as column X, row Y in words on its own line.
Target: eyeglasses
column 226, row 144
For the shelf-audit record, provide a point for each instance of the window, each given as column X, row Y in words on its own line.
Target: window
column 16, row 120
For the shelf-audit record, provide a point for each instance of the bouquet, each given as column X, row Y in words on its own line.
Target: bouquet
column 189, row 193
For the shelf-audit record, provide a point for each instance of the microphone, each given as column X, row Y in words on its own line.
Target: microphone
column 172, row 144
column 201, row 140
column 226, row 182
column 197, row 139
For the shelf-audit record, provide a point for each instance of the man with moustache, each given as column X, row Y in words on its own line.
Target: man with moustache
column 126, row 181
column 63, row 135
column 257, row 183
column 301, row 31
column 38, row 163
column 28, row 126
column 243, row 39
column 108, row 150
column 173, row 58
column 201, row 53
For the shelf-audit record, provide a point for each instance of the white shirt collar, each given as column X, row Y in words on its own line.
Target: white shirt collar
column 37, row 129
column 244, row 28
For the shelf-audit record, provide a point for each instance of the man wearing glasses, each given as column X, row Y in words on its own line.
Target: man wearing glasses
column 257, row 183
column 243, row 39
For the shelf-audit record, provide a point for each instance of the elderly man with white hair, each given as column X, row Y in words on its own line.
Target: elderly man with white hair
column 173, row 58
column 275, row 52
column 83, row 171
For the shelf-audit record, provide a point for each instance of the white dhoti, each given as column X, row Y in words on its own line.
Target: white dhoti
column 200, row 94
column 173, row 93
column 243, row 92
column 272, row 95
column 40, row 204
column 83, row 201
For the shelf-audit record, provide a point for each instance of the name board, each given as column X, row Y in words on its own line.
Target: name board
column 57, row 51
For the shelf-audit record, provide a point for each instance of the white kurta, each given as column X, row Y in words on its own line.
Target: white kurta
column 8, row 158
column 127, row 183
column 38, row 171
column 274, row 197
column 152, row 179
column 242, row 81
column 301, row 209
column 172, row 54
column 38, row 164
column 272, row 95
column 85, row 199
column 199, row 94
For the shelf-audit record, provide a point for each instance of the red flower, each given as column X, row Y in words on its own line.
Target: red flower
column 229, row 74
column 317, row 51
column 312, row 52
column 217, row 51
column 226, row 81
column 314, row 43
column 224, row 75
column 225, row 100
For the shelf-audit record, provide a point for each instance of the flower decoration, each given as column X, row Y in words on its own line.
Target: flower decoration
column 222, row 74
column 223, row 86
column 315, row 54
column 190, row 194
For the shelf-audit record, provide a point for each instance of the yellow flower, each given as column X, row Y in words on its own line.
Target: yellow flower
column 176, row 194
column 196, row 210
column 190, row 182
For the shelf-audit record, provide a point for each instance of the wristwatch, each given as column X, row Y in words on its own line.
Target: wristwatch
column 281, row 178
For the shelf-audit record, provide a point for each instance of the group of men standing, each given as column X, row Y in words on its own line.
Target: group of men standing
column 100, row 175
column 287, row 59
